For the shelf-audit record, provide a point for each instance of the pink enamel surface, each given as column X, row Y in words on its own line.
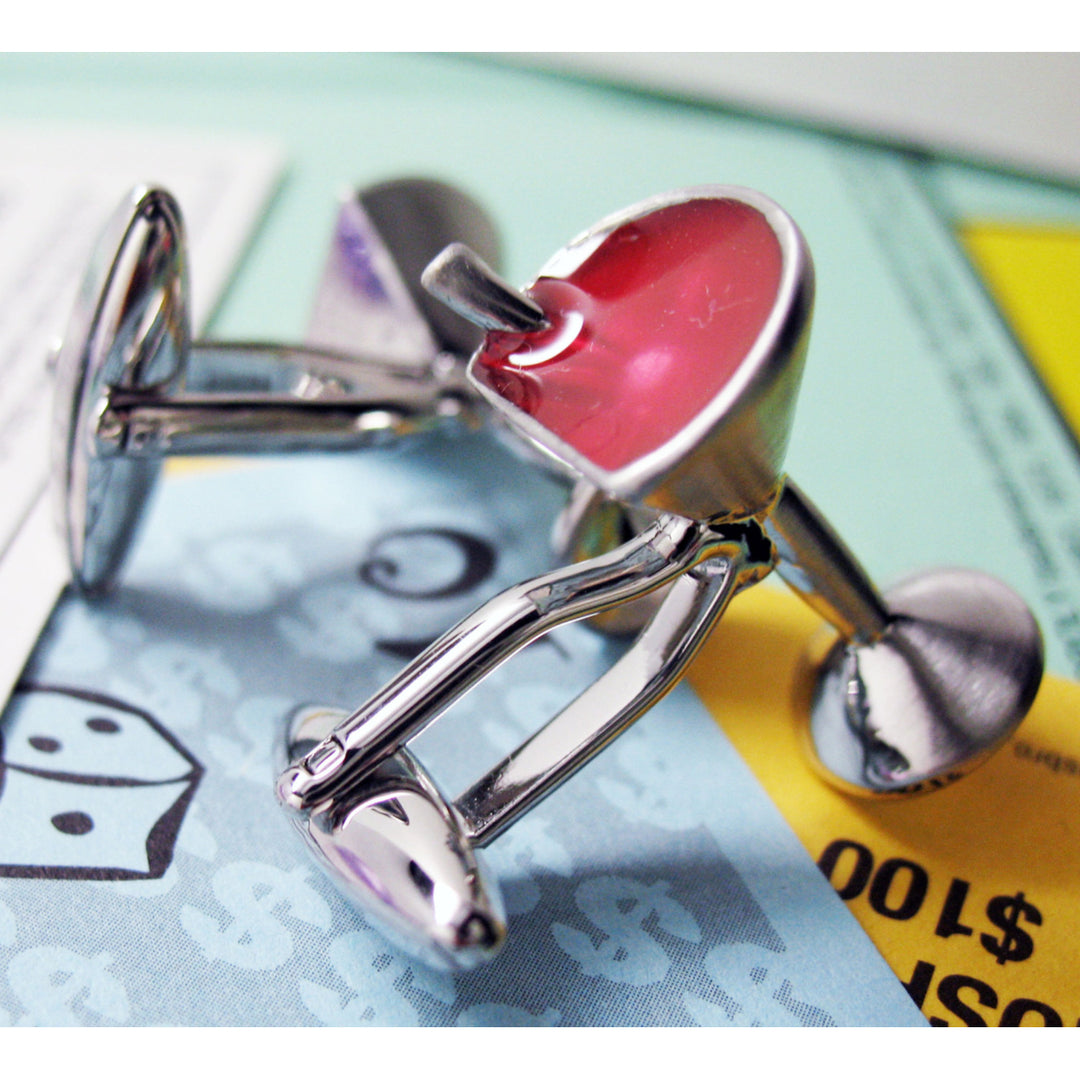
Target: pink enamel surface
column 645, row 333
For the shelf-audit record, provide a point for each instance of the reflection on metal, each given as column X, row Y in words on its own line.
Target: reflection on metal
column 132, row 387
column 920, row 685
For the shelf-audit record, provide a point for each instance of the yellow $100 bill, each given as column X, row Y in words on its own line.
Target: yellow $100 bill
column 972, row 893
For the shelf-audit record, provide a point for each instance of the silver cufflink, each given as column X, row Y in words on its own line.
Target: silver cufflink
column 382, row 359
column 655, row 363
column 656, row 360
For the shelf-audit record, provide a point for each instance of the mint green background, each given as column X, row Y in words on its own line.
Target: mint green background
column 877, row 440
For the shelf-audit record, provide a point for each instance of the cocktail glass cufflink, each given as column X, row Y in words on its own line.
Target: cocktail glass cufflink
column 656, row 358
column 382, row 359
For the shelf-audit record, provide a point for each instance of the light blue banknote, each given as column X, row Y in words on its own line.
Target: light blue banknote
column 147, row 875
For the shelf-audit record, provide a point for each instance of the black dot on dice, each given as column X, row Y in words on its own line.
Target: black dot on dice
column 102, row 725
column 44, row 744
column 73, row 823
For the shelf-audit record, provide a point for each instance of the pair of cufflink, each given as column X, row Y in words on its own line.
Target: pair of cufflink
column 654, row 365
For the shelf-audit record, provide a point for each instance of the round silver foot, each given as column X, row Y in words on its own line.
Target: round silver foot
column 949, row 680
column 129, row 329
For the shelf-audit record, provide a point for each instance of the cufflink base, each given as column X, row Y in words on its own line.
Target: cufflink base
column 947, row 682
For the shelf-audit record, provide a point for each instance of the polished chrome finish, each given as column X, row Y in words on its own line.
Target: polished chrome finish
column 492, row 634
column 817, row 565
column 132, row 386
column 395, row 846
column 465, row 283
column 919, row 688
column 952, row 675
column 588, row 525
column 922, row 685
column 645, row 673
column 327, row 416
column 129, row 328
column 363, row 303
column 373, row 844
column 813, row 560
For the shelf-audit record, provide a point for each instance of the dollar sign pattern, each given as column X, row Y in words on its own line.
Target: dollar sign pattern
column 7, row 925
column 256, row 894
column 519, row 858
column 621, row 907
column 492, row 1015
column 617, row 888
column 334, row 622
column 242, row 573
column 1015, row 943
column 176, row 680
column 650, row 791
column 746, row 993
column 375, row 974
column 50, row 980
column 250, row 757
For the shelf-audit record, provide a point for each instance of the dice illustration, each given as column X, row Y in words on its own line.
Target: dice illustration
column 90, row 787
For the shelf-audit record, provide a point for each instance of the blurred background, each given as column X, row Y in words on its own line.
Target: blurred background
column 1014, row 110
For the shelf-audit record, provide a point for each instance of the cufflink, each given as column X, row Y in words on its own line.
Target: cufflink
column 656, row 359
column 381, row 359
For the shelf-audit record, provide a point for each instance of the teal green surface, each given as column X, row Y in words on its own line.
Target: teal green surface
column 879, row 439
column 979, row 193
column 547, row 156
